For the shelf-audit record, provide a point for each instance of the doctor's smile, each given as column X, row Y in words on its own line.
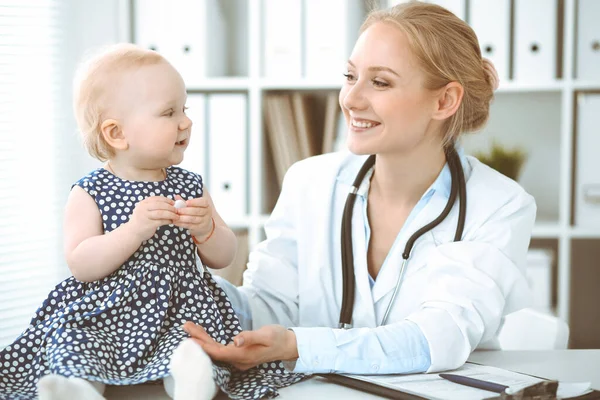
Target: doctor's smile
column 360, row 125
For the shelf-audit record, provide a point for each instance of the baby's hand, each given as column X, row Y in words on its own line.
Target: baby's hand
column 196, row 216
column 151, row 213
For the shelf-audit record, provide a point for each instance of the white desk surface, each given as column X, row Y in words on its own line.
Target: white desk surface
column 567, row 365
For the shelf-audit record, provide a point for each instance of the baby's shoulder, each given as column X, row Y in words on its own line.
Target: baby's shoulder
column 94, row 181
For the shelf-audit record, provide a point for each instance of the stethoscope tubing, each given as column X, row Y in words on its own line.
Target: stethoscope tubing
column 458, row 189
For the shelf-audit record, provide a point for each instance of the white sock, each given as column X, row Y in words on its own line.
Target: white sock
column 169, row 384
column 192, row 373
column 58, row 387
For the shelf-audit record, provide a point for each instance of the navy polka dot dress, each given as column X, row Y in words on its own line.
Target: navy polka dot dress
column 122, row 329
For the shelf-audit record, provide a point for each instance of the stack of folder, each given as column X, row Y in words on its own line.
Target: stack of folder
column 294, row 133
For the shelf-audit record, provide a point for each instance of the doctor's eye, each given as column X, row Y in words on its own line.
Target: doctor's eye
column 350, row 77
column 380, row 84
column 169, row 113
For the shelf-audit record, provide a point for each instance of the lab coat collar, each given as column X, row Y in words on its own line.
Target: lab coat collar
column 441, row 185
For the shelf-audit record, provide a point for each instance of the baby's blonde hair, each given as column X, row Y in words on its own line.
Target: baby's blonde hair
column 94, row 84
column 447, row 50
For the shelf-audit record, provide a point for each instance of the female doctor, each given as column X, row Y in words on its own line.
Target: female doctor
column 419, row 296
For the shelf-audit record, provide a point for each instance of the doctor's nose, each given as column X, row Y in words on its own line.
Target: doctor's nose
column 354, row 99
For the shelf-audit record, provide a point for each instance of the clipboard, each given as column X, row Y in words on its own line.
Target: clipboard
column 372, row 388
column 531, row 385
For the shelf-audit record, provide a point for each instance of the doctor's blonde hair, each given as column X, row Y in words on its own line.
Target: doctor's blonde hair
column 447, row 51
column 94, row 86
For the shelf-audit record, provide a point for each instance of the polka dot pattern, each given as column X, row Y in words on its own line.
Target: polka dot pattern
column 122, row 329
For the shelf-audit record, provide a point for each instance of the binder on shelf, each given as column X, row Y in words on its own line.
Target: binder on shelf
column 288, row 128
column 535, row 47
column 457, row 7
column 282, row 33
column 341, row 133
column 190, row 34
column 306, row 139
column 331, row 29
column 588, row 40
column 330, row 125
column 281, row 130
column 150, row 26
column 539, row 277
column 587, row 168
column 227, row 155
column 195, row 156
column 275, row 139
column 490, row 19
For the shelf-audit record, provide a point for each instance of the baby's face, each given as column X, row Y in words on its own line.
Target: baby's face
column 151, row 110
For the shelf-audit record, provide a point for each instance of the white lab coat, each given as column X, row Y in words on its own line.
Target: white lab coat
column 456, row 292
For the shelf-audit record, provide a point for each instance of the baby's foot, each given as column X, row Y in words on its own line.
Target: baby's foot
column 192, row 372
column 58, row 387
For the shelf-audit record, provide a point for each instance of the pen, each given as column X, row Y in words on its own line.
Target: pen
column 476, row 383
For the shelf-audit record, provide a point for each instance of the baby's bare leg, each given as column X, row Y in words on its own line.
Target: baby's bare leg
column 192, row 372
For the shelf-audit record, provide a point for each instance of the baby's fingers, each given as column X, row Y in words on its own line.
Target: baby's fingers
column 166, row 215
column 194, row 212
column 155, row 200
column 200, row 202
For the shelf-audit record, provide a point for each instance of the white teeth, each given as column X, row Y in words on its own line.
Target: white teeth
column 359, row 124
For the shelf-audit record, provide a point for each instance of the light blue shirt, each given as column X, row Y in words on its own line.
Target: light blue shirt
column 359, row 350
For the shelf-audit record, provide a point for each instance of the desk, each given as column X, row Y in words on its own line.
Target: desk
column 568, row 365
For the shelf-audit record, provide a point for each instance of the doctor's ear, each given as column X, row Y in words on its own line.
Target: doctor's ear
column 113, row 134
column 448, row 100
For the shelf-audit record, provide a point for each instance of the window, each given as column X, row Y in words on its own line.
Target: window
column 32, row 196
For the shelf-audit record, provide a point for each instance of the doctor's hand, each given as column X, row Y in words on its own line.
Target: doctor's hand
column 249, row 348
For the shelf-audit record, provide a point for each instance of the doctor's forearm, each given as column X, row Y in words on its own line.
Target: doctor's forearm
column 396, row 348
column 238, row 300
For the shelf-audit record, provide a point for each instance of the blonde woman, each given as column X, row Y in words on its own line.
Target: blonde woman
column 434, row 265
column 133, row 229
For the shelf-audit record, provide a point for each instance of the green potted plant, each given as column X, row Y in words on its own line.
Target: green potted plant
column 504, row 160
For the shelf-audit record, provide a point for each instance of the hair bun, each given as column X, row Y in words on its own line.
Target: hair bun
column 492, row 74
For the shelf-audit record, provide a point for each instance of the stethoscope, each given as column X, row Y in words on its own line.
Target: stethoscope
column 458, row 185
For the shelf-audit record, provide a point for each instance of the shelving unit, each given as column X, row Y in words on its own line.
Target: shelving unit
column 540, row 116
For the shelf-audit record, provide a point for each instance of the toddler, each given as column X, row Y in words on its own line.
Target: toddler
column 133, row 229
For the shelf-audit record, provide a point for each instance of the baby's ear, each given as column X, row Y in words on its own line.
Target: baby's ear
column 113, row 134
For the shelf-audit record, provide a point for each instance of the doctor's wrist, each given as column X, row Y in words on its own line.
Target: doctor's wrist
column 290, row 347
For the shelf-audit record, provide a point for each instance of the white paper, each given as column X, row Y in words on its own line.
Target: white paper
column 572, row 389
column 436, row 388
